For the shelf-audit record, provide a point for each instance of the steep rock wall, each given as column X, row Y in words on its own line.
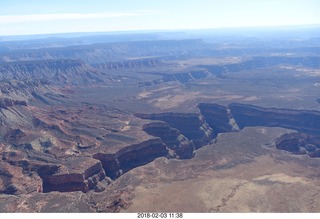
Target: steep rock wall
column 131, row 156
column 172, row 137
column 74, row 177
column 299, row 143
column 301, row 120
column 218, row 117
column 192, row 126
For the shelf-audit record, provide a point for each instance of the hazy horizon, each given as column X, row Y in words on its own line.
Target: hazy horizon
column 79, row 16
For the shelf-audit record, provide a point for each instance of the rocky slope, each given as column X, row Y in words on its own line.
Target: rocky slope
column 178, row 136
column 55, row 71
column 218, row 117
column 172, row 137
column 138, row 63
column 300, row 143
column 192, row 126
column 77, row 174
column 6, row 102
column 106, row 52
column 300, row 120
column 131, row 156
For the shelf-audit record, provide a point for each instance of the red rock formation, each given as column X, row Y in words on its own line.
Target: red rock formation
column 131, row 156
column 77, row 174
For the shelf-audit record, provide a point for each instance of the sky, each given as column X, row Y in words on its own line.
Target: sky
column 24, row 17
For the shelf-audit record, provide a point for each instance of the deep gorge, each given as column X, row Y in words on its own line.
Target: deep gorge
column 177, row 136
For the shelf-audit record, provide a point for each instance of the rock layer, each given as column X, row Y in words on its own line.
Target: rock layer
column 57, row 71
column 80, row 174
column 172, row 137
column 218, row 117
column 301, row 120
column 131, row 156
column 299, row 143
column 192, row 126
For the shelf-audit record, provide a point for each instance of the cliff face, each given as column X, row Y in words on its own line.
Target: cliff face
column 64, row 175
column 177, row 133
column 299, row 143
column 261, row 62
column 300, row 120
column 198, row 128
column 81, row 174
column 57, row 71
column 192, row 126
column 131, row 156
column 172, row 137
column 218, row 117
column 140, row 63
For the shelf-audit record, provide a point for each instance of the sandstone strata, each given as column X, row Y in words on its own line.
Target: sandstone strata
column 77, row 174
column 131, row 156
column 172, row 137
column 192, row 126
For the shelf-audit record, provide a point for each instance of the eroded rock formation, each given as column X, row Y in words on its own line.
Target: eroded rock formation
column 301, row 120
column 178, row 135
column 77, row 174
column 218, row 117
column 57, row 71
column 299, row 143
column 131, row 156
column 192, row 126
column 172, row 137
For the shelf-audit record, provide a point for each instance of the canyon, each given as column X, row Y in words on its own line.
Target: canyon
column 96, row 127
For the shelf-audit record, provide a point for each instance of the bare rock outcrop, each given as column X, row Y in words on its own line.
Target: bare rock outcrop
column 131, row 156
column 299, row 143
column 191, row 125
column 306, row 121
column 218, row 117
column 172, row 137
column 56, row 71
column 76, row 174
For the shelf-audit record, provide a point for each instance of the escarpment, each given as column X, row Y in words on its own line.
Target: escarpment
column 57, row 71
column 301, row 120
column 192, row 126
column 299, row 143
column 172, row 137
column 140, row 63
column 131, row 156
column 198, row 128
column 177, row 135
column 77, row 174
column 218, row 117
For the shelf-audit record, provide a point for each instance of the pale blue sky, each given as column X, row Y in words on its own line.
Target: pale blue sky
column 59, row 16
